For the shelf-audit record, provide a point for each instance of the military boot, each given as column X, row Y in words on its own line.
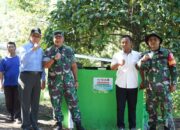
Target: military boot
column 58, row 126
column 152, row 127
column 166, row 128
column 79, row 126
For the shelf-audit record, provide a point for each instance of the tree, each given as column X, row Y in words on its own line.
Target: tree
column 94, row 26
column 19, row 17
column 91, row 25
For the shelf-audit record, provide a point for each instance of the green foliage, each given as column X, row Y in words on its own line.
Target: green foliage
column 176, row 104
column 32, row 6
column 19, row 17
column 91, row 26
column 94, row 26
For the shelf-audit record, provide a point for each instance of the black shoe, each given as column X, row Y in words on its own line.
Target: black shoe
column 58, row 126
column 121, row 128
column 79, row 126
column 12, row 117
column 36, row 128
column 26, row 129
column 166, row 128
column 152, row 127
column 132, row 128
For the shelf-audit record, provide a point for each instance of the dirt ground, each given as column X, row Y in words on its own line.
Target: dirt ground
column 45, row 121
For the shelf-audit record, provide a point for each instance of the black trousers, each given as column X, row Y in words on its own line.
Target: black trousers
column 129, row 95
column 29, row 94
column 12, row 101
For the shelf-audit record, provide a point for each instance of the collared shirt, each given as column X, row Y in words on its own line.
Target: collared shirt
column 127, row 75
column 30, row 60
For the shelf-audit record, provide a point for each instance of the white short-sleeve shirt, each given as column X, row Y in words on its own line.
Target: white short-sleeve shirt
column 127, row 75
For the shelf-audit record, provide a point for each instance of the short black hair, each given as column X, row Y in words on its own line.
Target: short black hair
column 12, row 43
column 127, row 36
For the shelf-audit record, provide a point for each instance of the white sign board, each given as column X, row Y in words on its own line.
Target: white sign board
column 102, row 84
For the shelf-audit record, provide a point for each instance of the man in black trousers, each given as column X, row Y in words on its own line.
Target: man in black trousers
column 31, row 71
column 126, row 82
column 9, row 71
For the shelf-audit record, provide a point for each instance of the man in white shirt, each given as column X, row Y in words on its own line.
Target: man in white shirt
column 126, row 82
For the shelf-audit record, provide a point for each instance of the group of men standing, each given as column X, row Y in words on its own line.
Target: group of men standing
column 159, row 78
column 24, row 77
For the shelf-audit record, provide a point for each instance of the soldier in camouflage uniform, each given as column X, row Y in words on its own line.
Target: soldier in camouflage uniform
column 159, row 78
column 62, row 79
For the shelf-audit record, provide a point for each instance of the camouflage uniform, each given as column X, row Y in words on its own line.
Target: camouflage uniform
column 61, row 82
column 160, row 72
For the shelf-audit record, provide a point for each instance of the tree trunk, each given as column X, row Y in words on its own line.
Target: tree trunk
column 136, row 35
column 137, row 41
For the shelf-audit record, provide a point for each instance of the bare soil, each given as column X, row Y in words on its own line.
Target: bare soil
column 45, row 121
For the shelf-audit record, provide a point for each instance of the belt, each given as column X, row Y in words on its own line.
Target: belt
column 32, row 72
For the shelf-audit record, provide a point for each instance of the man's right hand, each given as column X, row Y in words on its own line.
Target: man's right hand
column 115, row 66
column 145, row 58
column 57, row 56
column 122, row 62
column 36, row 46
